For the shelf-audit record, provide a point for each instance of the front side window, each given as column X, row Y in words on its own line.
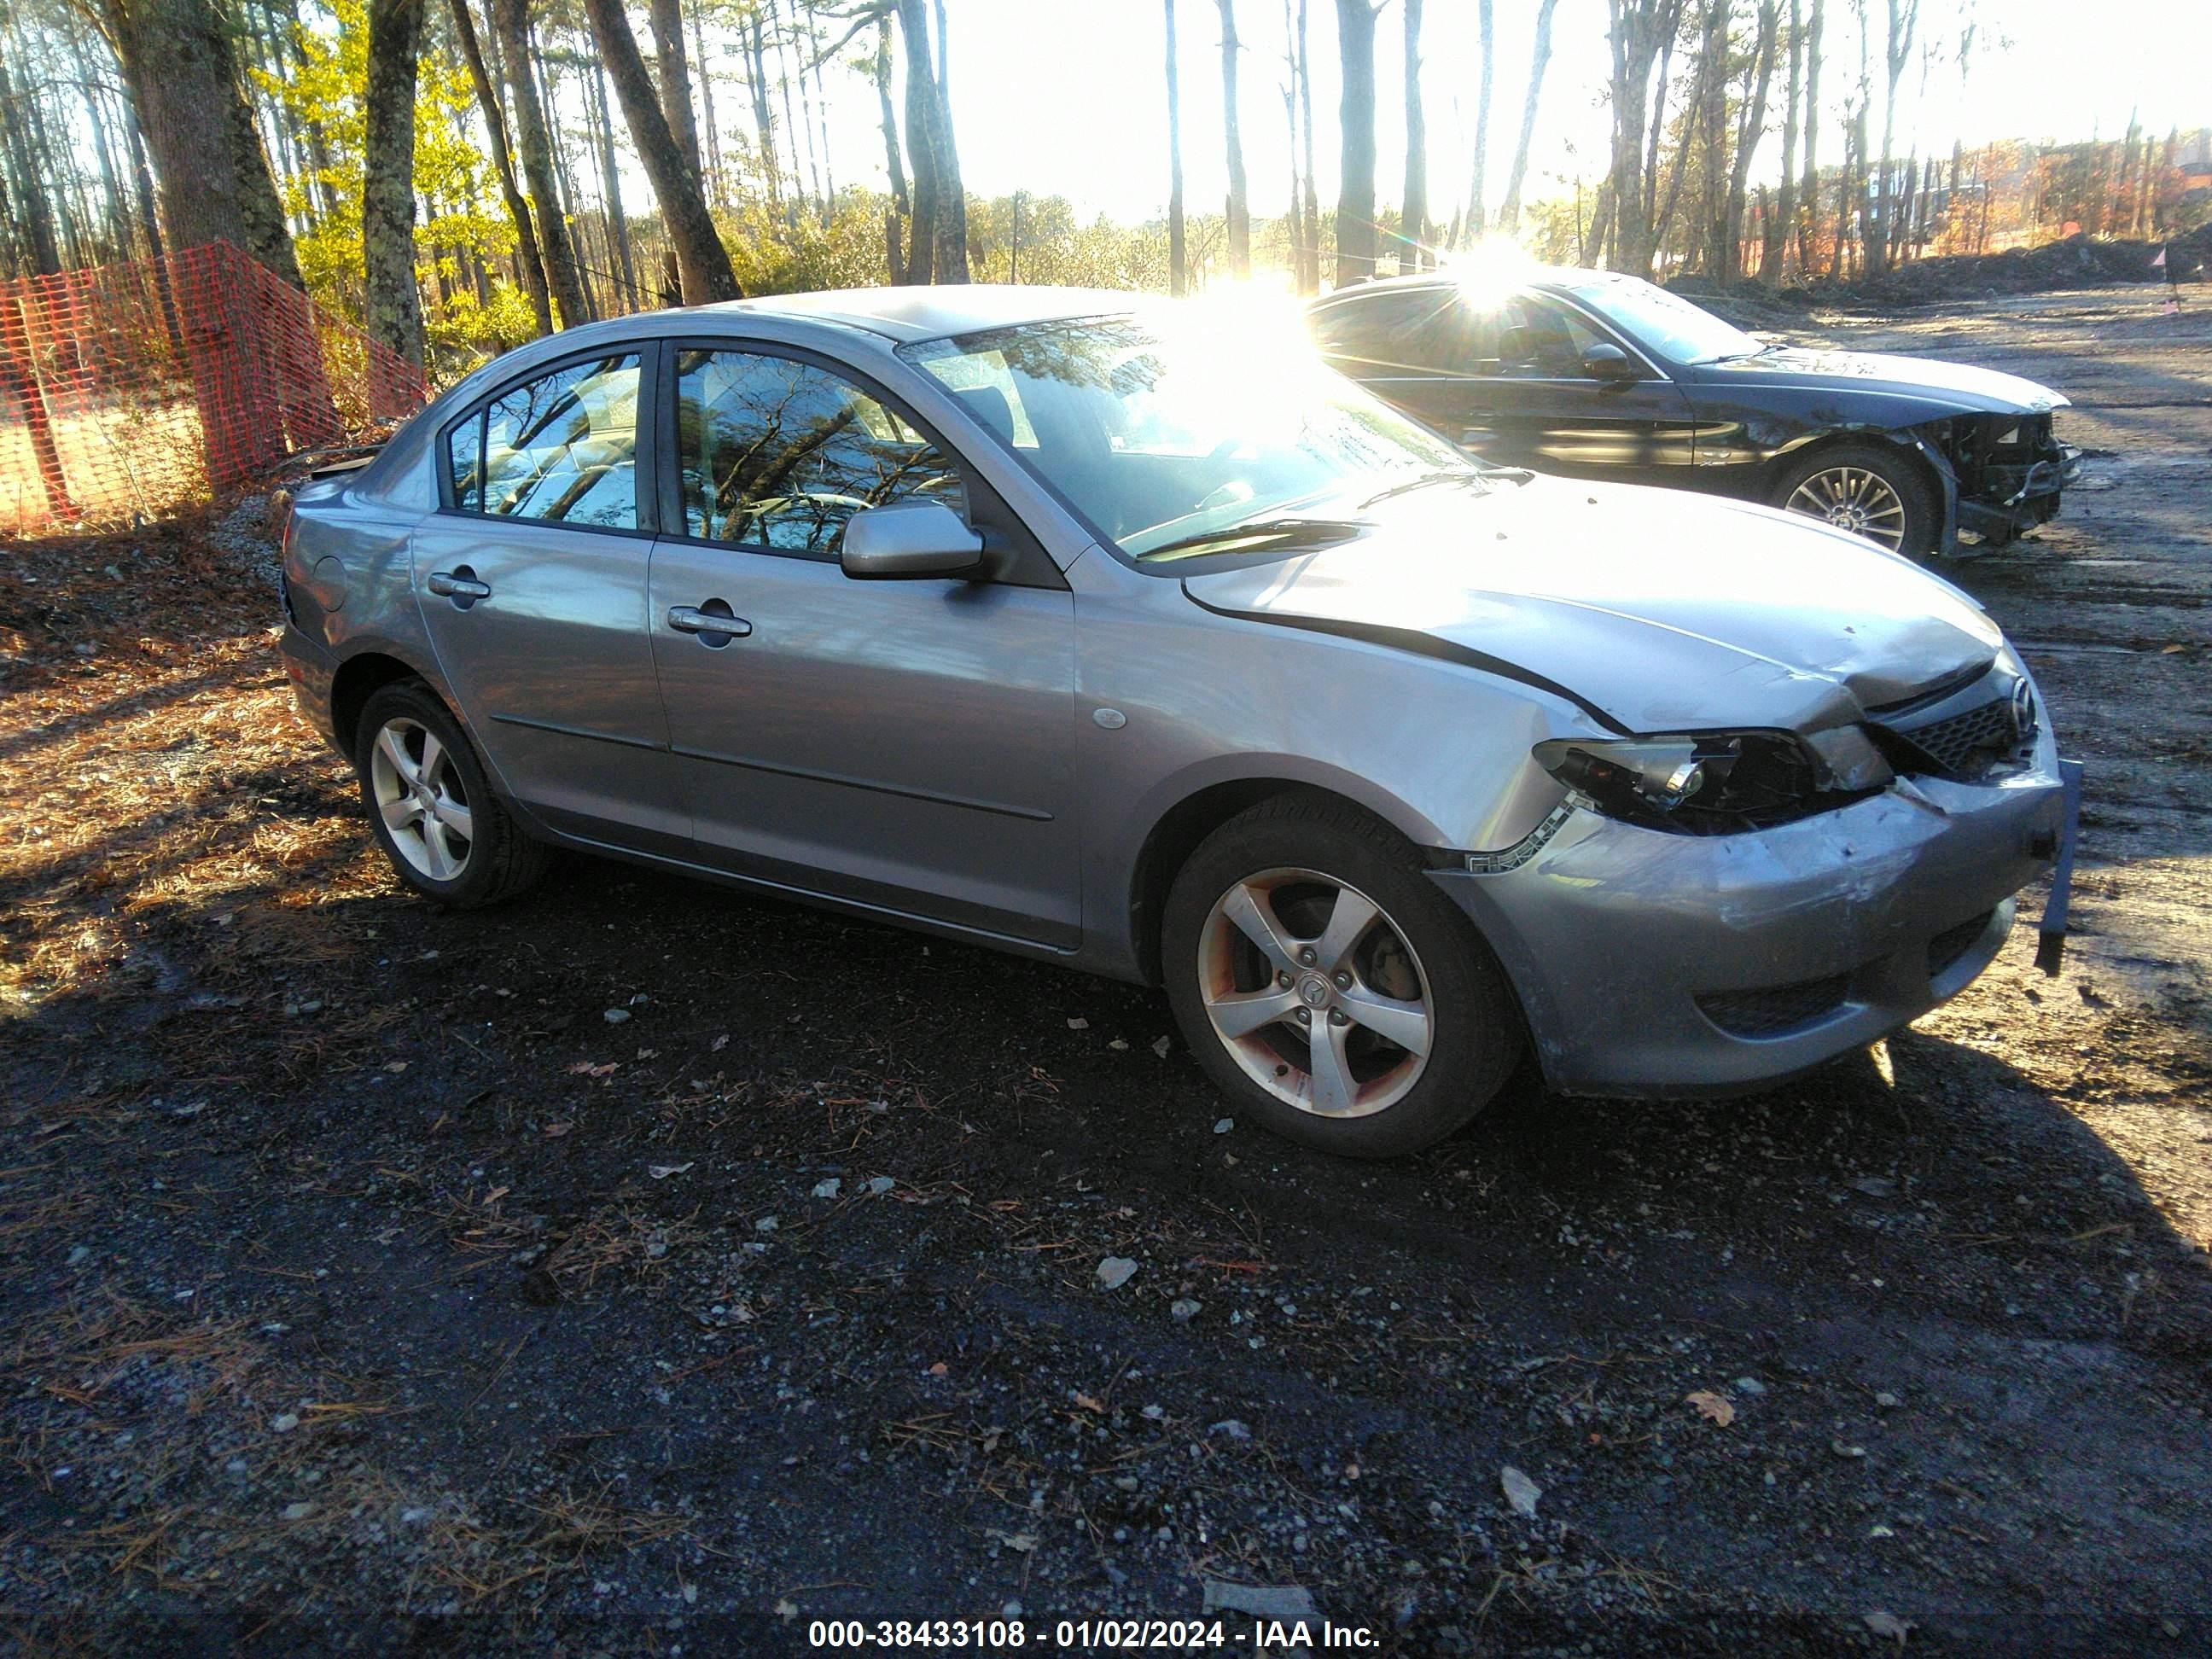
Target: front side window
column 563, row 447
column 1541, row 339
column 1161, row 430
column 779, row 453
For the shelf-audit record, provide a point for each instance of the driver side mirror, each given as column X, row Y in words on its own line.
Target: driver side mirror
column 1601, row 362
column 909, row 540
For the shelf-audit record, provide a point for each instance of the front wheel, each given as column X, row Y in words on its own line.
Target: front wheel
column 1329, row 988
column 1868, row 490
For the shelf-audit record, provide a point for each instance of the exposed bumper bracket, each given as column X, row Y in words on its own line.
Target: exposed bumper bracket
column 2050, row 940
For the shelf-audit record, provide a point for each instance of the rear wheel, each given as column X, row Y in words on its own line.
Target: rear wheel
column 1327, row 986
column 1868, row 489
column 432, row 808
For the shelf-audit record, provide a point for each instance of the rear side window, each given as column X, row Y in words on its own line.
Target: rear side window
column 563, row 447
column 779, row 454
column 1387, row 333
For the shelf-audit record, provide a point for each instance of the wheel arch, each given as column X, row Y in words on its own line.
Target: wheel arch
column 1176, row 833
column 360, row 678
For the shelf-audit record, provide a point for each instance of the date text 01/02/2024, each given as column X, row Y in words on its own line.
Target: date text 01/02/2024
column 1262, row 1637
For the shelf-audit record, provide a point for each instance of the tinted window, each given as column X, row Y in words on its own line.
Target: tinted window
column 1388, row 330
column 563, row 447
column 779, row 453
column 1540, row 338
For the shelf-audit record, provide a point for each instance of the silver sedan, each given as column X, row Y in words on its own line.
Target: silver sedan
column 1127, row 637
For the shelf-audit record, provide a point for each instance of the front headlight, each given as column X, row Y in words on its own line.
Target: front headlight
column 1701, row 782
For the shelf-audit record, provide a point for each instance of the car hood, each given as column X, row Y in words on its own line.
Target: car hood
column 1655, row 610
column 1982, row 390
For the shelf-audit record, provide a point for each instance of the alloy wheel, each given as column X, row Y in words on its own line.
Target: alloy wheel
column 421, row 798
column 1855, row 499
column 1315, row 992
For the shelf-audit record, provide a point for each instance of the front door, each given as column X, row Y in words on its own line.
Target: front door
column 1507, row 384
column 531, row 579
column 903, row 746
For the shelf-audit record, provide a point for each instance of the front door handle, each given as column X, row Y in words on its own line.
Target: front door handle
column 712, row 622
column 458, row 584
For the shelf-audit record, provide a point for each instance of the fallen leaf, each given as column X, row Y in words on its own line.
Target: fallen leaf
column 1160, row 1047
column 555, row 1130
column 585, row 1068
column 1713, row 1408
column 1090, row 1404
column 2173, row 650
column 1023, row 1541
column 1520, row 1491
column 718, row 1045
column 395, row 1066
column 1888, row 1624
column 1078, row 1024
column 939, row 1368
column 662, row 1171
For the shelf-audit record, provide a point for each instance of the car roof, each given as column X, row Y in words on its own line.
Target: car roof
column 1538, row 277
column 908, row 314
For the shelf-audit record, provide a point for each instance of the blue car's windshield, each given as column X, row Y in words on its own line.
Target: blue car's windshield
column 1666, row 323
column 1160, row 430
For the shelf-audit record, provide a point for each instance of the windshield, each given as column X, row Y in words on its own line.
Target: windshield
column 1666, row 322
column 1160, row 430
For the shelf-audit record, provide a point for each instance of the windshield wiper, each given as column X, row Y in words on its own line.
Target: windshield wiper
column 1453, row 475
column 1276, row 532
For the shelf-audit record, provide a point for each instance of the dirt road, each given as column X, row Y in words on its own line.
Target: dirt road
column 647, row 1267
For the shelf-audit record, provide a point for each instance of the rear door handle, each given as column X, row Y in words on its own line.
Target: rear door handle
column 448, row 585
column 691, row 619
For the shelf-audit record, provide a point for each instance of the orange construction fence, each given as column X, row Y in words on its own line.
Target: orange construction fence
column 129, row 391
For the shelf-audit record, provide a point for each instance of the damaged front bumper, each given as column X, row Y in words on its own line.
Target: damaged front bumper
column 1657, row 964
column 2000, row 478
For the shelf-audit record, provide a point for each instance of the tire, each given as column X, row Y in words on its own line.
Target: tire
column 432, row 808
column 1278, row 863
column 1866, row 488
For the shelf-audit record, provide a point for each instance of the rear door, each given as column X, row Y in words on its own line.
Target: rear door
column 903, row 746
column 532, row 578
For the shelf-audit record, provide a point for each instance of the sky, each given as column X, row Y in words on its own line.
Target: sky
column 1068, row 97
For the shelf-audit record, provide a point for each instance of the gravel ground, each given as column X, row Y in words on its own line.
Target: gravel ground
column 647, row 1268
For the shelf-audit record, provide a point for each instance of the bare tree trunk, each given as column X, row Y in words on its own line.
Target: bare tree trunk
column 392, row 309
column 1638, row 30
column 1413, row 251
column 1751, row 126
column 1904, row 17
column 510, row 22
column 1539, row 56
column 717, row 188
column 27, row 180
column 1239, row 213
column 902, row 207
column 1809, row 192
column 527, row 257
column 1773, row 248
column 1309, row 270
column 1652, row 216
column 1355, row 202
column 1477, row 209
column 1178, row 249
column 951, row 194
column 763, row 112
column 611, row 192
column 701, row 262
column 666, row 17
column 216, row 185
column 920, row 140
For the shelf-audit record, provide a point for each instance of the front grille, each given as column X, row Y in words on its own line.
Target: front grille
column 1964, row 744
column 1947, row 946
column 1770, row 1012
column 1962, row 735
